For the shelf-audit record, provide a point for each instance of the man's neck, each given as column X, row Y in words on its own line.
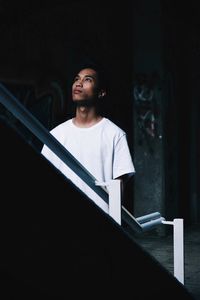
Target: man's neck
column 86, row 117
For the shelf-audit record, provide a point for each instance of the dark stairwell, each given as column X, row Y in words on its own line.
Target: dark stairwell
column 57, row 244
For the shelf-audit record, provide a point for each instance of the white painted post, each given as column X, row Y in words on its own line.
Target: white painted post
column 114, row 191
column 178, row 250
column 178, row 241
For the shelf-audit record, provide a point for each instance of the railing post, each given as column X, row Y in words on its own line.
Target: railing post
column 178, row 250
column 114, row 196
column 114, row 192
column 178, row 241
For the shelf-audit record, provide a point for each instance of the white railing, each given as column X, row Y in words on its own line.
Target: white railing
column 148, row 222
column 113, row 198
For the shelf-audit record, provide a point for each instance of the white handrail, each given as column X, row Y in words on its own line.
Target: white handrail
column 116, row 210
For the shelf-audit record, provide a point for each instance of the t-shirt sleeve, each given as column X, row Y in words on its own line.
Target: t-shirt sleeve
column 123, row 163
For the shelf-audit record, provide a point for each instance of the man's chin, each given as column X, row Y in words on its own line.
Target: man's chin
column 84, row 103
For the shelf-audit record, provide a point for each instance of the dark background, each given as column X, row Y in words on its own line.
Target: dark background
column 42, row 41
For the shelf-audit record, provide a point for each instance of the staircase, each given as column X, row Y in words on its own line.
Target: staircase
column 57, row 244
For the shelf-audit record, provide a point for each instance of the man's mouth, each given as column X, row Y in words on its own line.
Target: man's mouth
column 77, row 91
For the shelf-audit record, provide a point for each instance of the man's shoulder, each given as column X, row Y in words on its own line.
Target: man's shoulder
column 61, row 126
column 113, row 126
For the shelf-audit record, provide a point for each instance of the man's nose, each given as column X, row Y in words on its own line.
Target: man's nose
column 79, row 82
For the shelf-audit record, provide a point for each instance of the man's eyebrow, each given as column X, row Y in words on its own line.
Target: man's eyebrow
column 91, row 76
column 86, row 75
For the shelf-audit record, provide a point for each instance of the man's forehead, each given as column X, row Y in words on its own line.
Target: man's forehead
column 88, row 72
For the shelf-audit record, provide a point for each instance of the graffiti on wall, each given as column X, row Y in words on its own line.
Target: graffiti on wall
column 146, row 108
column 47, row 103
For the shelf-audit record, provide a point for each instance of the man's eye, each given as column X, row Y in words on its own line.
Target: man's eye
column 88, row 79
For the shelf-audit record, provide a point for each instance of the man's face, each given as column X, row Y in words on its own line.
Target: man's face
column 85, row 87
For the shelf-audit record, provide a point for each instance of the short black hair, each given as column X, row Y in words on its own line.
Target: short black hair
column 91, row 64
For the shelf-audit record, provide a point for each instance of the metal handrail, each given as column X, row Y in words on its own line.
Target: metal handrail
column 139, row 224
column 33, row 124
column 36, row 127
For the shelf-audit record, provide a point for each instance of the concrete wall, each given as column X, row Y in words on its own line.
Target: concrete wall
column 148, row 150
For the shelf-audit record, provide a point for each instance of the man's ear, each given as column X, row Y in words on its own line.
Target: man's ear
column 102, row 94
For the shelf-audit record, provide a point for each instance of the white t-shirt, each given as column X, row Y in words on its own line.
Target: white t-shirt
column 102, row 149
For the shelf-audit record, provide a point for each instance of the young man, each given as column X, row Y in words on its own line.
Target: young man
column 95, row 141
